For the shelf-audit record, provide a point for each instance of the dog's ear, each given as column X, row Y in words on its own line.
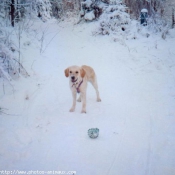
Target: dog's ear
column 82, row 72
column 66, row 71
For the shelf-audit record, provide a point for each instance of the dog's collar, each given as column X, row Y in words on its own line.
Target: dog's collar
column 78, row 87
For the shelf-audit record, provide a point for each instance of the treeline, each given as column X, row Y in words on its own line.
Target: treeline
column 14, row 10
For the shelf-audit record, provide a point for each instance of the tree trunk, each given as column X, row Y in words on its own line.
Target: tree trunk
column 173, row 19
column 12, row 12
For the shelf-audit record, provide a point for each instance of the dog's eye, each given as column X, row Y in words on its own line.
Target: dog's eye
column 76, row 72
column 70, row 72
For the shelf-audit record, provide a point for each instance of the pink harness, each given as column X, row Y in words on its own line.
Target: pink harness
column 78, row 88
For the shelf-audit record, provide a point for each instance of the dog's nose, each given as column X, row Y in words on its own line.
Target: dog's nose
column 73, row 77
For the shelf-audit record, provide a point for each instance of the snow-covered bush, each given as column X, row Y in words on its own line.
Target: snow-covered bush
column 91, row 10
column 158, row 25
column 10, row 67
column 89, row 16
column 153, row 6
column 155, row 25
column 157, row 13
column 114, row 19
column 25, row 9
column 43, row 9
column 57, row 8
column 116, row 22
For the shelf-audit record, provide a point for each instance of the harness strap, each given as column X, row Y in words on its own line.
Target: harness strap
column 78, row 88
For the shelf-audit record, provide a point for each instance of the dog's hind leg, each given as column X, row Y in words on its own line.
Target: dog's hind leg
column 95, row 85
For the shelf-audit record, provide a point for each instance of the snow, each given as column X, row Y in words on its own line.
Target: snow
column 89, row 16
column 144, row 10
column 87, row 3
column 136, row 117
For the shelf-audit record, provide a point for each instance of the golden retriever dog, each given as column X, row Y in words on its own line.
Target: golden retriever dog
column 78, row 79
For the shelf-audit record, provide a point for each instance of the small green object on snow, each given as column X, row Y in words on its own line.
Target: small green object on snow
column 93, row 133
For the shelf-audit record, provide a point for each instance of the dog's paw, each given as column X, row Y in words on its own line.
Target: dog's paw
column 98, row 100
column 72, row 110
column 83, row 111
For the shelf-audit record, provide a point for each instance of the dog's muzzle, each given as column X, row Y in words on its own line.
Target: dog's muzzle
column 73, row 79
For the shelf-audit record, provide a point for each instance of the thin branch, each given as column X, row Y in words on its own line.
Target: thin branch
column 50, row 42
column 2, row 112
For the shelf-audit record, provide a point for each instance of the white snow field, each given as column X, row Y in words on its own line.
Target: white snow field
column 136, row 117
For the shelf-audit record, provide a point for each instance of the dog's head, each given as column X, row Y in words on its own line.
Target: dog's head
column 75, row 73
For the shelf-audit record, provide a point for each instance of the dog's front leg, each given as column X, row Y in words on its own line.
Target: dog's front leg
column 83, row 95
column 79, row 99
column 74, row 95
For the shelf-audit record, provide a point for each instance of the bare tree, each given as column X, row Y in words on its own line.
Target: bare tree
column 12, row 12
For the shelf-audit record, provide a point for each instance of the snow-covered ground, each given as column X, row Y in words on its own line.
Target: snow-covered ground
column 136, row 117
